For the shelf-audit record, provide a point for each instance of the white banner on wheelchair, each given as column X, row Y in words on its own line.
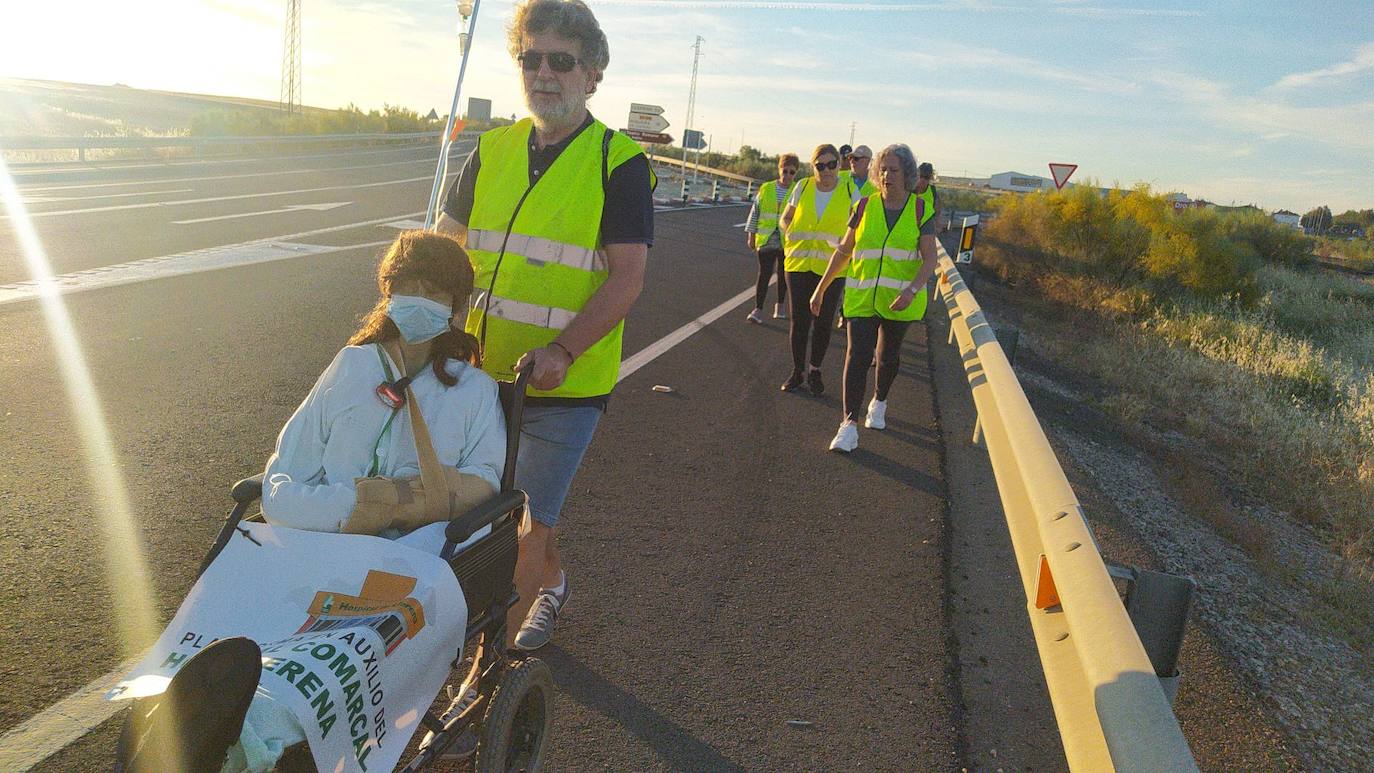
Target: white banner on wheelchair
column 357, row 633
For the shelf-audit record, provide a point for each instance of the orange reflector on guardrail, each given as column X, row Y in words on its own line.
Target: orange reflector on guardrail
column 1046, row 595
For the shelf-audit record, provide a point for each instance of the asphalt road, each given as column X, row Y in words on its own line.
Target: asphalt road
column 729, row 575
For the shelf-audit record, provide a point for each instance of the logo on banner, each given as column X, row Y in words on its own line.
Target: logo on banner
column 383, row 604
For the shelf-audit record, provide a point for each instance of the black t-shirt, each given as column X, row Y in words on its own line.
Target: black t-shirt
column 626, row 218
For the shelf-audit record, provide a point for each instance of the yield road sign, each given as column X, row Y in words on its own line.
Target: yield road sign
column 637, row 107
column 1062, row 173
column 651, row 137
column 648, row 122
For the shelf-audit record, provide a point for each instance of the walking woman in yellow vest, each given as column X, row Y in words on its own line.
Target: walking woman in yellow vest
column 812, row 226
column 889, row 251
column 765, row 237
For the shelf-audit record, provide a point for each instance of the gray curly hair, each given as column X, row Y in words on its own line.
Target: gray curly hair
column 905, row 159
column 570, row 19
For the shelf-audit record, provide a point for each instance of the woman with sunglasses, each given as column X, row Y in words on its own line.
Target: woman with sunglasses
column 889, row 251
column 765, row 238
column 813, row 223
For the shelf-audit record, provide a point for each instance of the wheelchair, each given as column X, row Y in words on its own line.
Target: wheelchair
column 511, row 714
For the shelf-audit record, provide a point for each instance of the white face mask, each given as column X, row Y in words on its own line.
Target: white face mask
column 419, row 319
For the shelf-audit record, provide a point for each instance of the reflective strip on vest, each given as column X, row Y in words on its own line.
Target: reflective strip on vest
column 539, row 251
column 882, row 281
column 528, row 313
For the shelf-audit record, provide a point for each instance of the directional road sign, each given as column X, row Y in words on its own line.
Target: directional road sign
column 648, row 122
column 692, row 140
column 1061, row 174
column 966, row 240
column 637, row 107
column 652, row 137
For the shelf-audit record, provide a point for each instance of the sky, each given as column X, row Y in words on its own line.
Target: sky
column 1236, row 102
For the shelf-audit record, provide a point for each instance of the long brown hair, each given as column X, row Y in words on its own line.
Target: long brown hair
column 439, row 261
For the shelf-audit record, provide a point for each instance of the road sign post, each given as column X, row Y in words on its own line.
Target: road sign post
column 966, row 240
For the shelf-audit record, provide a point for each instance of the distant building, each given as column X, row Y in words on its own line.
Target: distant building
column 1180, row 202
column 479, row 109
column 1291, row 219
column 1016, row 181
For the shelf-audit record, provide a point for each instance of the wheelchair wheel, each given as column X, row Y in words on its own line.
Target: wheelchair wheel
column 518, row 720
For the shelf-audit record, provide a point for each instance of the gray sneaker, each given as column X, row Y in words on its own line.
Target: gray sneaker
column 538, row 626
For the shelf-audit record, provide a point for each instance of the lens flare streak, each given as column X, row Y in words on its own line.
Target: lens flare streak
column 126, row 572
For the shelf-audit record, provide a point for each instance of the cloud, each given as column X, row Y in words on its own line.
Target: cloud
column 1349, row 125
column 947, row 7
column 942, row 56
column 1364, row 60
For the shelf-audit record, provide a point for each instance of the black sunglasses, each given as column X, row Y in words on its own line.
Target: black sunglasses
column 558, row 61
column 827, row 164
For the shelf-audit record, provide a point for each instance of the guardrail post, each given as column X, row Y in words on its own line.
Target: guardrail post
column 978, row 431
column 684, row 189
column 1008, row 339
column 1158, row 605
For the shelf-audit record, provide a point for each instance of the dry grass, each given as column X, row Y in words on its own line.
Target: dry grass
column 1282, row 390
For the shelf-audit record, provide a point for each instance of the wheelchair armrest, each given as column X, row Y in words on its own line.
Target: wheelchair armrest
column 495, row 506
column 247, row 490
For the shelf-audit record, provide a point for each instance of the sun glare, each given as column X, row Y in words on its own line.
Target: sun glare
column 125, row 569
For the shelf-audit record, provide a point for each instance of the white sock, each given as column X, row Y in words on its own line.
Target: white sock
column 562, row 584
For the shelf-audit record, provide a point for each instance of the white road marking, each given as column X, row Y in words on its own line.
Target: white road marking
column 52, row 730
column 287, row 208
column 180, row 202
column 117, row 167
column 209, row 259
column 54, row 199
column 44, row 734
column 740, row 225
column 653, row 351
column 165, row 181
column 407, row 225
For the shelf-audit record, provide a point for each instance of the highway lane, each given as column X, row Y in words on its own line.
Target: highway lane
column 721, row 587
column 145, row 221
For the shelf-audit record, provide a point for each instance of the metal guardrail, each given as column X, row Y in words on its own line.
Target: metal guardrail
column 83, row 144
column 1112, row 711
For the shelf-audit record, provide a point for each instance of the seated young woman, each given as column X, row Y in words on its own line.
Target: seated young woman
column 347, row 459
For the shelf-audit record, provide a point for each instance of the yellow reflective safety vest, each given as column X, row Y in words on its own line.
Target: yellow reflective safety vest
column 536, row 251
column 812, row 236
column 769, row 211
column 885, row 262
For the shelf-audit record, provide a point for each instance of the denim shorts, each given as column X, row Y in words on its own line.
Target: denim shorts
column 552, row 442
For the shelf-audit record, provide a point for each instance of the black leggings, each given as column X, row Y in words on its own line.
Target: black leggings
column 770, row 259
column 865, row 335
column 800, row 285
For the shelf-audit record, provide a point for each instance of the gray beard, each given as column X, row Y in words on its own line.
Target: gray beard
column 554, row 117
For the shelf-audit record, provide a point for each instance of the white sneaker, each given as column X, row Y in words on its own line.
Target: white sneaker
column 847, row 439
column 779, row 311
column 877, row 414
column 539, row 621
column 755, row 316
